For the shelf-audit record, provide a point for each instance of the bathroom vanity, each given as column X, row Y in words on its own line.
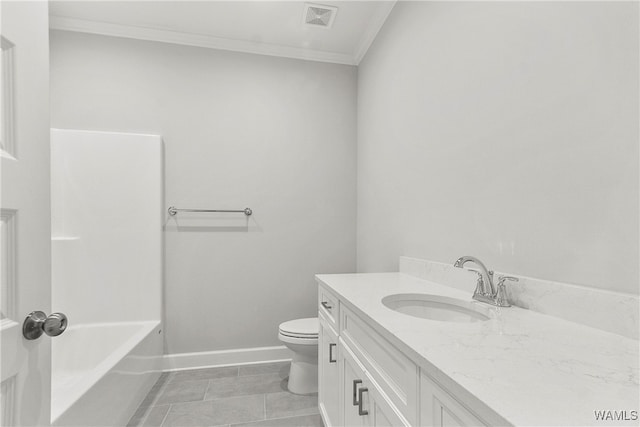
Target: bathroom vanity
column 379, row 366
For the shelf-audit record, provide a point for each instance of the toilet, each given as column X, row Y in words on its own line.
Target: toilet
column 301, row 336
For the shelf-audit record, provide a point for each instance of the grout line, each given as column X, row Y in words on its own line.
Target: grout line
column 144, row 418
column 160, row 392
column 292, row 416
column 249, row 376
column 156, row 398
column 206, row 391
column 239, row 395
column 165, row 416
column 263, row 373
column 264, row 407
column 132, row 417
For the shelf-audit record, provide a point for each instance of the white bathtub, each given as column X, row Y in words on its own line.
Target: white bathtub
column 102, row 372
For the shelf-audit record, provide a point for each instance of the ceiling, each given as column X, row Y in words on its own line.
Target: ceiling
column 263, row 27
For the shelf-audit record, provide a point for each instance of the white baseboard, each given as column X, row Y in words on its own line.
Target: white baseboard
column 209, row 359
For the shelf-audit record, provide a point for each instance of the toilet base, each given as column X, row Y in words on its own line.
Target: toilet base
column 303, row 375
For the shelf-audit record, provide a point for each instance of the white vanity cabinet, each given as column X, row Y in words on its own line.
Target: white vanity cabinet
column 363, row 403
column 371, row 382
column 438, row 408
column 328, row 374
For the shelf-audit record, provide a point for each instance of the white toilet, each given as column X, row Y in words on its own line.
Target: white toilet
column 301, row 336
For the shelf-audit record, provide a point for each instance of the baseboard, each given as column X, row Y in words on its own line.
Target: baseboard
column 209, row 359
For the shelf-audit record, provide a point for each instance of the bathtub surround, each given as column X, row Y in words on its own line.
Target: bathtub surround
column 507, row 131
column 106, row 222
column 106, row 225
column 615, row 312
column 240, row 130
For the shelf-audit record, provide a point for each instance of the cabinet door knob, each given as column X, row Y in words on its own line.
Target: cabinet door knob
column 326, row 305
column 355, row 392
column 360, row 410
column 331, row 347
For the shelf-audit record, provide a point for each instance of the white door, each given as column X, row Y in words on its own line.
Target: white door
column 25, row 237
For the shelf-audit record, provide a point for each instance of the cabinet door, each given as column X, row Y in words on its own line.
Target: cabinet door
column 382, row 412
column 439, row 409
column 353, row 381
column 364, row 402
column 329, row 375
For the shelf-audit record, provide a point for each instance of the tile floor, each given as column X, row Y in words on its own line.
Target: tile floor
column 250, row 395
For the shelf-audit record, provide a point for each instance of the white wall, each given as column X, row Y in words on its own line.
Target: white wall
column 276, row 135
column 106, row 225
column 508, row 131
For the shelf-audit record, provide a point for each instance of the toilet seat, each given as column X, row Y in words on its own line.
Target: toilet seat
column 300, row 329
column 299, row 341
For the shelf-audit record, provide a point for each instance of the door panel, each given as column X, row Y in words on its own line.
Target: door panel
column 25, row 237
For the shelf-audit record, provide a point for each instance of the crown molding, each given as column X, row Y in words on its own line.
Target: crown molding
column 198, row 40
column 373, row 30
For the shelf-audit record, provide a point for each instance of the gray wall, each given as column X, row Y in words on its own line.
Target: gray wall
column 277, row 135
column 508, row 131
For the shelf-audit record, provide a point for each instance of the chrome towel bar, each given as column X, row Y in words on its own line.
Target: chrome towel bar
column 173, row 211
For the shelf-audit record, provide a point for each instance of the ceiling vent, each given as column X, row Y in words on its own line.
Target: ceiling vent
column 319, row 15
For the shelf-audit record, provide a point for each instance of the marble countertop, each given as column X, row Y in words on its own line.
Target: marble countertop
column 530, row 368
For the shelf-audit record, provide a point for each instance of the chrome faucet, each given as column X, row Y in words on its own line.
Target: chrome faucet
column 485, row 290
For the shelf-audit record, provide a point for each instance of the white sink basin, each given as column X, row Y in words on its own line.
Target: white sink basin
column 436, row 307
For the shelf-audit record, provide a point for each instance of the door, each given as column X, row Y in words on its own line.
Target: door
column 328, row 373
column 25, row 237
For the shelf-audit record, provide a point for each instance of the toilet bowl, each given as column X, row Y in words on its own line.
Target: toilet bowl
column 301, row 336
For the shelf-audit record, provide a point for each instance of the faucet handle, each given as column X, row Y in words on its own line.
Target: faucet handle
column 480, row 285
column 502, row 279
column 501, row 293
